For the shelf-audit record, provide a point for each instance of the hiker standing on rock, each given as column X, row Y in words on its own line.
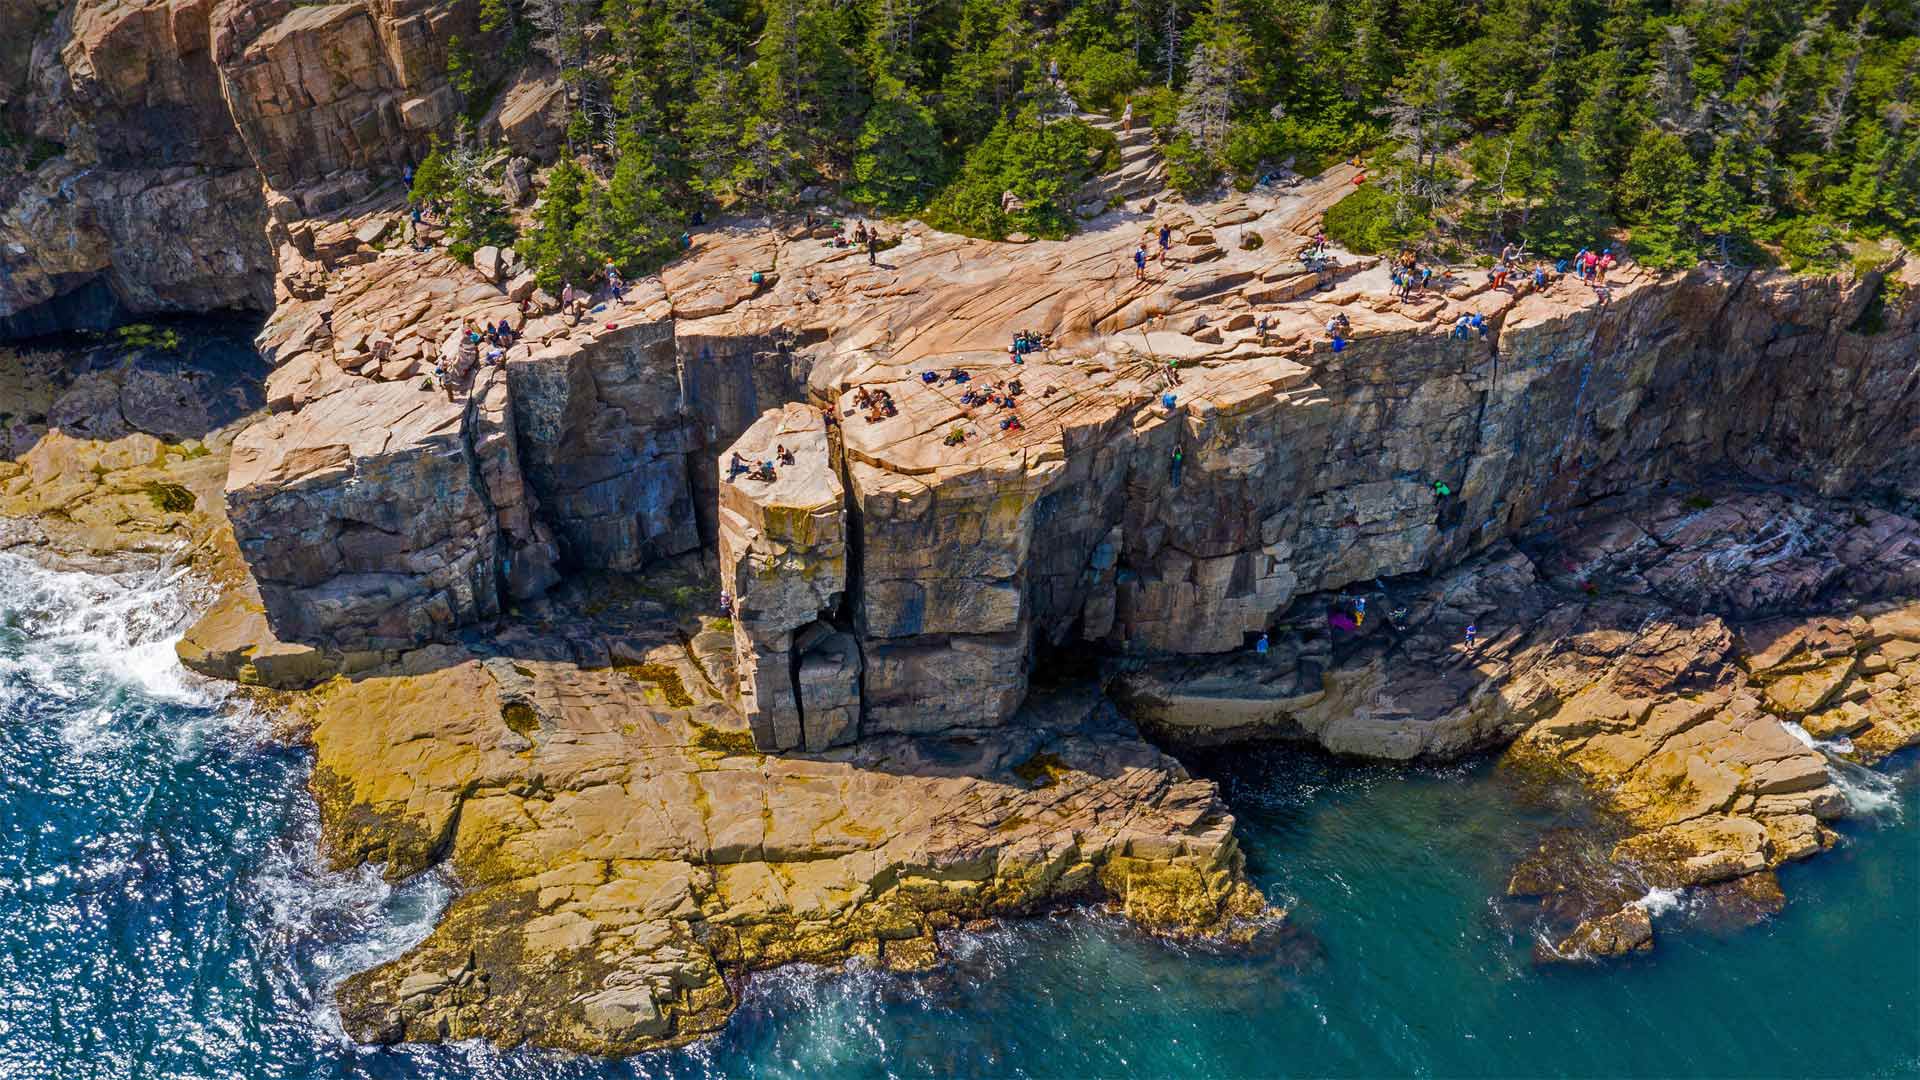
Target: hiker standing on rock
column 1166, row 240
column 1126, row 118
column 873, row 248
column 1140, row 263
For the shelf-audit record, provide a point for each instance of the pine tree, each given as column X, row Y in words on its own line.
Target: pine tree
column 897, row 165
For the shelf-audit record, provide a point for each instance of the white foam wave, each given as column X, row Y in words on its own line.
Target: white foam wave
column 1663, row 901
column 1868, row 793
column 76, row 636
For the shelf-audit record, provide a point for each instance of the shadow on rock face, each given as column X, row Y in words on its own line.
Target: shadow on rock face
column 210, row 379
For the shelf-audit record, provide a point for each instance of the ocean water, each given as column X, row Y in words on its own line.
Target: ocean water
column 163, row 914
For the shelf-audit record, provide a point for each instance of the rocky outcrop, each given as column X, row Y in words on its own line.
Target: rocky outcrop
column 160, row 151
column 625, row 852
column 318, row 90
column 147, row 187
column 1179, row 474
column 1642, row 654
column 783, row 558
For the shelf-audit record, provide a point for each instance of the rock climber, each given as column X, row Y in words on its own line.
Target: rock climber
column 1359, row 611
column 1441, row 489
column 1260, row 646
column 1266, row 325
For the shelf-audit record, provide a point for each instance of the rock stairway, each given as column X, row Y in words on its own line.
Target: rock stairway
column 1142, row 173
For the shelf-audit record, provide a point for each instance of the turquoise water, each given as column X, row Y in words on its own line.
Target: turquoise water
column 162, row 915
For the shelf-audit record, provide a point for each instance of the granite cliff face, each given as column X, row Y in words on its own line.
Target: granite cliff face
column 1674, row 512
column 951, row 549
column 176, row 141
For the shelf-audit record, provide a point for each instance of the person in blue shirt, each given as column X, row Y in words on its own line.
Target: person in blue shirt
column 1140, row 263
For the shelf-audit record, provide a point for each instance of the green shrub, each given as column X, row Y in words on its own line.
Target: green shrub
column 1189, row 170
column 1041, row 164
column 1363, row 222
column 170, row 498
column 1100, row 78
column 149, row 336
column 1810, row 243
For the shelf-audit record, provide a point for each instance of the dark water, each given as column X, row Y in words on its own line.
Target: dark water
column 162, row 915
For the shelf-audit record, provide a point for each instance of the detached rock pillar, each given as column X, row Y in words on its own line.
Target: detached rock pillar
column 783, row 555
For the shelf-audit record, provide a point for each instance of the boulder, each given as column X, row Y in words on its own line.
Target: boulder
column 488, row 261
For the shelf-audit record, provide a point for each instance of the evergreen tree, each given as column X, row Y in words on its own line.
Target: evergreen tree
column 898, row 160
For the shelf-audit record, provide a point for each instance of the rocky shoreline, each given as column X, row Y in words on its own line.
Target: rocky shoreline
column 956, row 647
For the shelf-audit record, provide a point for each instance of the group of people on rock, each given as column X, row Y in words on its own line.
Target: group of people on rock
column 762, row 471
column 1407, row 275
column 1339, row 329
column 858, row 237
column 1466, row 325
column 1163, row 235
column 877, row 403
column 1026, row 343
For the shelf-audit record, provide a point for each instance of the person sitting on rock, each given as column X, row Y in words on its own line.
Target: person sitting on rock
column 1014, row 387
column 1011, row 423
column 737, row 466
column 959, row 376
column 763, row 473
column 862, row 398
column 929, row 377
column 785, row 455
column 1338, row 326
column 1462, row 327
